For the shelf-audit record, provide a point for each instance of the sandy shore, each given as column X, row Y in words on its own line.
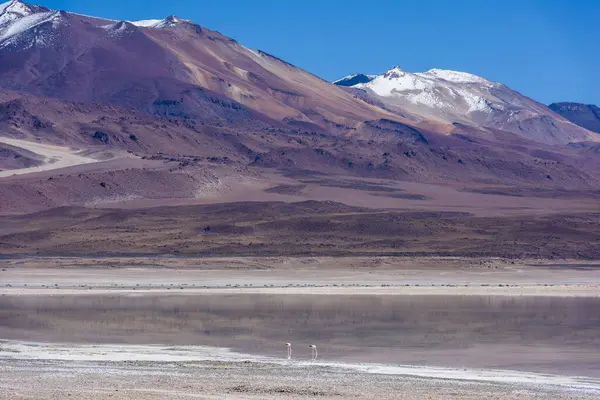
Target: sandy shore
column 35, row 370
column 314, row 275
column 300, row 289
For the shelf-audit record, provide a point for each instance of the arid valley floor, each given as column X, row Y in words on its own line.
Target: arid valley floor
column 409, row 290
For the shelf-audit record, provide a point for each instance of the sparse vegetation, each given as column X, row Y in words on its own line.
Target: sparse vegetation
column 300, row 229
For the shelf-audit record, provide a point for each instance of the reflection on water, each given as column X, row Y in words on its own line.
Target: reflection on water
column 558, row 335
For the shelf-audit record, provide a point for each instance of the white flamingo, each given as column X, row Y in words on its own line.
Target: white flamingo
column 314, row 351
column 289, row 350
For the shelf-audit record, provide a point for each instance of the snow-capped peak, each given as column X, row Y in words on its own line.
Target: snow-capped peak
column 14, row 6
column 24, row 26
column 17, row 18
column 15, row 9
column 437, row 89
column 147, row 23
column 396, row 80
column 12, row 11
column 394, row 73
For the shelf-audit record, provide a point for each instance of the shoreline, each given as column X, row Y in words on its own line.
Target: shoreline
column 545, row 290
column 313, row 275
column 164, row 355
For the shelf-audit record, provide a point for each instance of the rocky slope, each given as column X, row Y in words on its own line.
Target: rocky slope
column 169, row 67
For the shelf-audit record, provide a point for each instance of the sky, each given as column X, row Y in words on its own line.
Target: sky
column 546, row 49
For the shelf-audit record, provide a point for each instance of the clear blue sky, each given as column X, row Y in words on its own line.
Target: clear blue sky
column 546, row 49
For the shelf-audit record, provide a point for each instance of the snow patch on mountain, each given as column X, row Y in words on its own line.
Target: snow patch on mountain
column 26, row 31
column 159, row 23
column 12, row 11
column 4, row 6
column 473, row 101
column 396, row 81
column 14, row 7
column 23, row 24
column 147, row 23
column 455, row 76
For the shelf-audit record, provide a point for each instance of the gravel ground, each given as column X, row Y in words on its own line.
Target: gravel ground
column 26, row 379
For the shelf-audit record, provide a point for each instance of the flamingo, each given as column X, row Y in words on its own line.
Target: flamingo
column 314, row 351
column 289, row 350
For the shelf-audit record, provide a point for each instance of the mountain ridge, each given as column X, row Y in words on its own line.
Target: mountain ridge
column 45, row 52
column 166, row 111
column 584, row 115
column 172, row 62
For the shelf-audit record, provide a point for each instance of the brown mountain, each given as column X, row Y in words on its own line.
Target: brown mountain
column 96, row 112
column 173, row 67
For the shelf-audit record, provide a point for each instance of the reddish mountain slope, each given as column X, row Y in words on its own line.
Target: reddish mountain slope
column 169, row 110
column 177, row 68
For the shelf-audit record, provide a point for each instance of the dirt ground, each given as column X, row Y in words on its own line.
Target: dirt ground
column 242, row 380
column 297, row 229
column 325, row 275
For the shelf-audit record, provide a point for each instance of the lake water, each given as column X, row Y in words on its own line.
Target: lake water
column 549, row 335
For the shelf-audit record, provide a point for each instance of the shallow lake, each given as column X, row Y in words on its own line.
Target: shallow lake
column 540, row 334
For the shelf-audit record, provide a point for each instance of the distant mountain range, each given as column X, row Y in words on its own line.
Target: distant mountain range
column 172, row 90
column 585, row 115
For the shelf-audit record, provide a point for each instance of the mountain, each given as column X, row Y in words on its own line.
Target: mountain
column 584, row 115
column 453, row 97
column 96, row 112
column 175, row 67
column 171, row 67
